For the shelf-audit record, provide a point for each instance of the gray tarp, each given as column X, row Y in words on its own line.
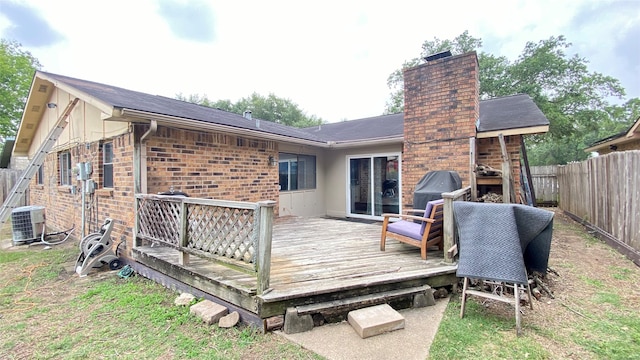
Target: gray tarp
column 499, row 241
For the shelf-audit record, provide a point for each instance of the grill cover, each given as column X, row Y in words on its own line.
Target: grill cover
column 433, row 184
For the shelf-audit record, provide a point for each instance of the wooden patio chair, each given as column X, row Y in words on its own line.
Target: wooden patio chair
column 422, row 231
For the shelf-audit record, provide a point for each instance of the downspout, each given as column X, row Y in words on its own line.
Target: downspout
column 142, row 160
column 140, row 172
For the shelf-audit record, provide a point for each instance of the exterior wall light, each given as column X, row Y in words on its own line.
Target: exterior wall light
column 51, row 105
column 272, row 161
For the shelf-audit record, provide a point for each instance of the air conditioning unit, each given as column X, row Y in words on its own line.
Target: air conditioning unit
column 27, row 224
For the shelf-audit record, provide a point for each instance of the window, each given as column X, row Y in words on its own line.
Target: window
column 40, row 176
column 107, row 165
column 297, row 172
column 65, row 168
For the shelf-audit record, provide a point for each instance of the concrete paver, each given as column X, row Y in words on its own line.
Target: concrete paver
column 340, row 341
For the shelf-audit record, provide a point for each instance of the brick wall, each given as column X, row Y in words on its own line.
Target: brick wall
column 201, row 164
column 63, row 205
column 441, row 107
column 212, row 165
column 489, row 153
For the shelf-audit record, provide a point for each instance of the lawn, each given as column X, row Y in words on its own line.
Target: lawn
column 48, row 312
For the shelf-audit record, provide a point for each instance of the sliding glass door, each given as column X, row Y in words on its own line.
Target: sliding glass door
column 374, row 185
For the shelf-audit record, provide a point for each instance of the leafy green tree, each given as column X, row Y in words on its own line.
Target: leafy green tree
column 574, row 99
column 17, row 67
column 270, row 108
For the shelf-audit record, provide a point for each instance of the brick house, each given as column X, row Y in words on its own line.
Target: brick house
column 141, row 143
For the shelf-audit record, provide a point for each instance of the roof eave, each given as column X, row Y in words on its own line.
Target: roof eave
column 91, row 100
column 616, row 141
column 366, row 142
column 541, row 129
column 133, row 115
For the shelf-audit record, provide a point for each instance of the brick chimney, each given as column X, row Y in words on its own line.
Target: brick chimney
column 440, row 112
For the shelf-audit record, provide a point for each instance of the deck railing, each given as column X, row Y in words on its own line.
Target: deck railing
column 236, row 234
column 448, row 226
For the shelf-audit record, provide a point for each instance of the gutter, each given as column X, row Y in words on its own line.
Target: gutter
column 167, row 120
column 367, row 142
column 199, row 125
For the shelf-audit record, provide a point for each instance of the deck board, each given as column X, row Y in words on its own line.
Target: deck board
column 315, row 256
column 312, row 255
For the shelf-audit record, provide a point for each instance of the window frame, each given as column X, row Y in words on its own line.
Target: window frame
column 40, row 175
column 107, row 166
column 65, row 172
column 297, row 172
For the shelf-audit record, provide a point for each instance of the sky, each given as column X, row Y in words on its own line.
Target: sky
column 331, row 58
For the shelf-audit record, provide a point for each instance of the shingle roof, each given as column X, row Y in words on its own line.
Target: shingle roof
column 510, row 112
column 377, row 127
column 128, row 99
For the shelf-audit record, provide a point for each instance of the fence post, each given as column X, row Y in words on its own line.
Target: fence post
column 264, row 244
column 184, row 239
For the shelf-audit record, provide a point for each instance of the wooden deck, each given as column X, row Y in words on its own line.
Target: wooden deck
column 313, row 261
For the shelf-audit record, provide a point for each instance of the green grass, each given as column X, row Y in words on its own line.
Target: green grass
column 480, row 336
column 620, row 273
column 614, row 336
column 110, row 317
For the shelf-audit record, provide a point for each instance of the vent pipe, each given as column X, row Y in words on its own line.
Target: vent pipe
column 247, row 114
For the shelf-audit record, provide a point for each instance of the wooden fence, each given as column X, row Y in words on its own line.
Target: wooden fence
column 545, row 184
column 604, row 193
column 8, row 179
column 234, row 233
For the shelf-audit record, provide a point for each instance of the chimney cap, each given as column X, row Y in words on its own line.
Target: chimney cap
column 436, row 56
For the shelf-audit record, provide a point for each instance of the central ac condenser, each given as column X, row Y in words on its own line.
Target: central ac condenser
column 27, row 224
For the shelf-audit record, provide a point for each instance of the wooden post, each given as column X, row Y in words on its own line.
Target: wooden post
column 265, row 209
column 448, row 225
column 184, row 236
column 508, row 190
column 136, row 220
column 448, row 221
column 532, row 191
column 472, row 169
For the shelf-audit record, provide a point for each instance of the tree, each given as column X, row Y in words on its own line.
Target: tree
column 17, row 67
column 572, row 98
column 270, row 108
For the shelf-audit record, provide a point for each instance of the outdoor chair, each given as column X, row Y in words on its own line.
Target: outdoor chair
column 493, row 240
column 422, row 231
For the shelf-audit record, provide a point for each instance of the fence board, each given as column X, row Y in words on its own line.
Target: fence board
column 605, row 192
column 8, row 179
column 545, row 183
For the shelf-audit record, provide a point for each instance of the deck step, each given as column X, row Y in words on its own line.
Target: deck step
column 357, row 302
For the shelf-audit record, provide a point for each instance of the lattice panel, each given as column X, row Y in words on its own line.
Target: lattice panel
column 159, row 220
column 223, row 231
